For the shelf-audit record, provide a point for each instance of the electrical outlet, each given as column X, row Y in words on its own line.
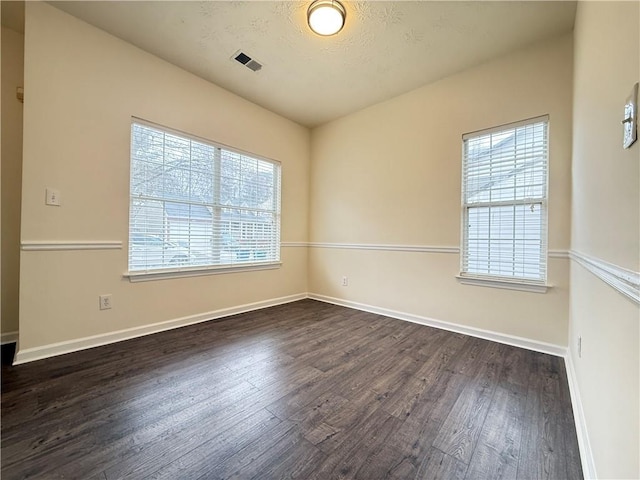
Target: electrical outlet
column 52, row 197
column 345, row 281
column 105, row 302
column 579, row 347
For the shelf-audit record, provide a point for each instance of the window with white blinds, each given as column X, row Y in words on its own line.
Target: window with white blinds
column 196, row 204
column 504, row 196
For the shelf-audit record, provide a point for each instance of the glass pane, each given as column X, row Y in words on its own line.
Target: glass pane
column 508, row 165
column 195, row 204
column 504, row 241
column 504, row 187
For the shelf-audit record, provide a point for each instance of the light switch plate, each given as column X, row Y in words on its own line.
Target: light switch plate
column 630, row 120
column 52, row 197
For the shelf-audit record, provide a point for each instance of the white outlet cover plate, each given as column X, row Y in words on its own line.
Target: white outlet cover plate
column 105, row 302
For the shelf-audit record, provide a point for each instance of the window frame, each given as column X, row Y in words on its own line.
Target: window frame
column 178, row 271
column 505, row 281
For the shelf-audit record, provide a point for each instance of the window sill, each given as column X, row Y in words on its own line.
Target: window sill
column 522, row 286
column 146, row 276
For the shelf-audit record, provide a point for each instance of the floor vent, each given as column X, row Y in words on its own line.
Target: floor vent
column 247, row 61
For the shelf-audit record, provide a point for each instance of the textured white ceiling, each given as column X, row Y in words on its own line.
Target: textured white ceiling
column 385, row 49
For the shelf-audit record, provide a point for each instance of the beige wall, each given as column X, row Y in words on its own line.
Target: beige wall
column 83, row 87
column 390, row 174
column 606, row 212
column 12, row 77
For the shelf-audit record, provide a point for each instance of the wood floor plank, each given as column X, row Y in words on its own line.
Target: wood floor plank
column 417, row 341
column 98, row 476
column 542, row 454
column 515, row 368
column 310, row 417
column 353, row 416
column 365, row 441
column 400, row 401
column 459, row 433
column 303, row 390
column 285, row 459
column 219, row 435
column 498, row 449
column 470, row 361
column 203, row 460
column 349, row 349
column 245, row 460
column 440, row 466
column 198, row 461
column 175, row 407
column 412, row 442
column 119, row 395
column 124, row 435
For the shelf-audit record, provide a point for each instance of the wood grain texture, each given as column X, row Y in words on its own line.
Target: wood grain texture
column 496, row 453
column 304, row 390
column 459, row 433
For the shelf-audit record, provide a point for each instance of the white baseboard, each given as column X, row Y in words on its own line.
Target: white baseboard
column 9, row 337
column 51, row 350
column 526, row 343
column 586, row 454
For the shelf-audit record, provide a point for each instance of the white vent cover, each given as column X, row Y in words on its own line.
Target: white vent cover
column 246, row 60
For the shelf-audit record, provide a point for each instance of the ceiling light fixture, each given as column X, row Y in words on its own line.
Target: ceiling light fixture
column 326, row 17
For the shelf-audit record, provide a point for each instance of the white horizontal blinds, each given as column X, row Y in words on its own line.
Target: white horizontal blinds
column 504, row 202
column 195, row 203
column 249, row 206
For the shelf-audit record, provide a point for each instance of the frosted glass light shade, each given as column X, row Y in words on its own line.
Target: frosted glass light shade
column 326, row 17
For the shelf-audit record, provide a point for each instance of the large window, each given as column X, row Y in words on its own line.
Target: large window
column 504, row 197
column 195, row 204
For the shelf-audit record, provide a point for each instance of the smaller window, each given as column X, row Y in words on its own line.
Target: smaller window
column 504, row 203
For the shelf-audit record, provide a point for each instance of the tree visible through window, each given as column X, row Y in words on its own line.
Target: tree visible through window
column 504, row 185
column 194, row 203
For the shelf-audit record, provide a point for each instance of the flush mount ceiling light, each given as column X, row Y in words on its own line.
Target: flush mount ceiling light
column 326, row 17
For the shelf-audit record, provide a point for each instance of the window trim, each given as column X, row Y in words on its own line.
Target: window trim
column 497, row 281
column 165, row 274
column 502, row 282
column 203, row 270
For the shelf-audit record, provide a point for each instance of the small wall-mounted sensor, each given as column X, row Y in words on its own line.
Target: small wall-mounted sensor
column 630, row 120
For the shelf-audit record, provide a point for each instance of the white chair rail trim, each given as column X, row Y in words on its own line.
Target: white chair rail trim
column 38, row 245
column 387, row 247
column 621, row 279
column 392, row 247
column 48, row 245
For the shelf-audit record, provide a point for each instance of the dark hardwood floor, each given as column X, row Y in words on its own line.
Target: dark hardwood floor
column 305, row 390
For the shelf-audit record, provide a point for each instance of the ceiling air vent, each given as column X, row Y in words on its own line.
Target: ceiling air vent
column 246, row 60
